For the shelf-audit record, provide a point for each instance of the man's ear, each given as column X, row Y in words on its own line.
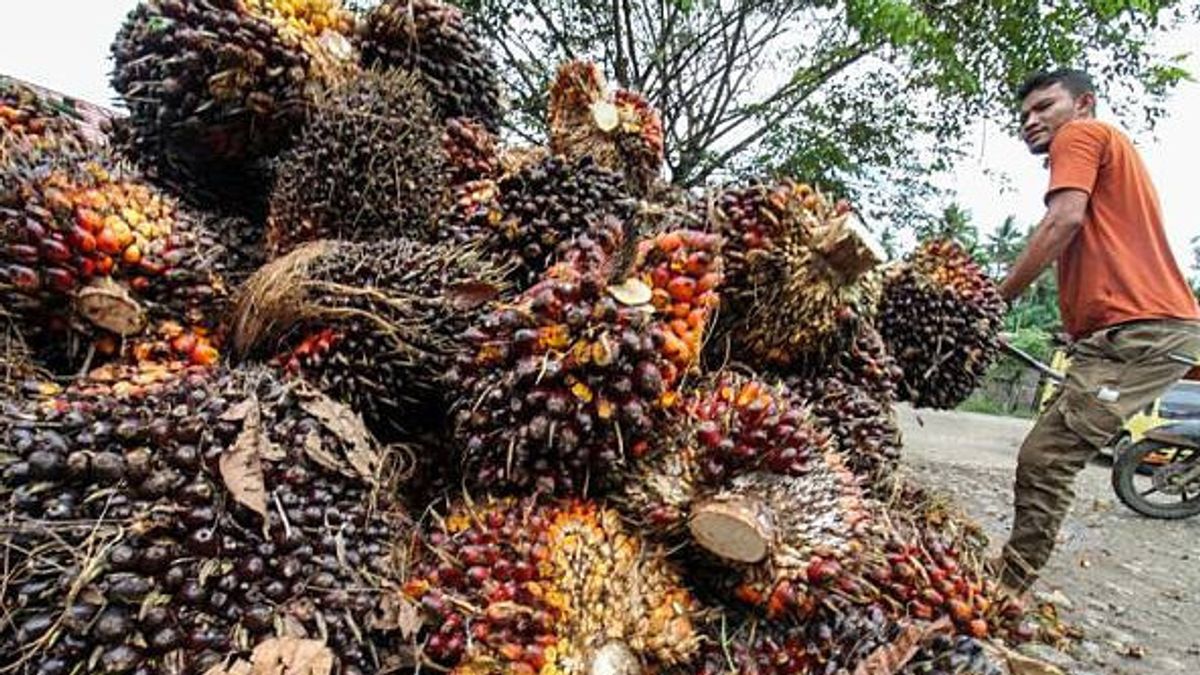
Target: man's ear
column 1085, row 104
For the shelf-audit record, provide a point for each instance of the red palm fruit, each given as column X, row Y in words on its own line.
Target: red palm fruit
column 471, row 151
column 34, row 117
column 589, row 591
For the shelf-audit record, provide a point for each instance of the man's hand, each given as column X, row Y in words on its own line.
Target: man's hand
column 1066, row 210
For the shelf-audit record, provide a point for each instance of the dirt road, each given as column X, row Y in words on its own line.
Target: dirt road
column 1131, row 584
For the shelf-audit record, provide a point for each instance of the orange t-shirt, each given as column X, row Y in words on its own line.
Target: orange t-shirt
column 1119, row 267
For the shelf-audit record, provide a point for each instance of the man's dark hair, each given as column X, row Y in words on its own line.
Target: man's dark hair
column 1075, row 81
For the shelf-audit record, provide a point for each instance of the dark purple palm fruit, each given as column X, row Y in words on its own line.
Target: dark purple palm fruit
column 261, row 505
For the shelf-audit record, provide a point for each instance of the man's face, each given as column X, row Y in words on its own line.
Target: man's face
column 1045, row 110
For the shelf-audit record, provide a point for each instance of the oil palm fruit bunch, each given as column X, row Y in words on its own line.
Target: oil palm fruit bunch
column 534, row 214
column 936, row 553
column 862, row 424
column 257, row 513
column 212, row 85
column 522, row 586
column 802, row 540
column 799, row 273
column 729, row 425
column 432, row 38
column 864, row 363
column 374, row 325
column 367, row 165
column 471, row 151
column 853, row 393
column 941, row 317
column 565, row 383
column 90, row 250
column 618, row 130
column 826, row 538
column 39, row 120
column 840, row 637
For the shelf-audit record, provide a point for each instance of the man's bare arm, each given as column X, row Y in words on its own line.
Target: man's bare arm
column 1064, row 216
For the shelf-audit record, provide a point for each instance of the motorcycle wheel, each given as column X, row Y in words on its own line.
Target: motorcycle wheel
column 1135, row 482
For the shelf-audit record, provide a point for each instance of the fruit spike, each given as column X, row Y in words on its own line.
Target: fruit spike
column 533, row 215
column 432, row 38
column 940, row 316
column 89, row 249
column 16, row 359
column 620, row 130
column 258, row 508
column 566, row 383
column 367, row 165
column 799, row 273
column 522, row 586
column 372, row 324
column 471, row 151
column 209, row 82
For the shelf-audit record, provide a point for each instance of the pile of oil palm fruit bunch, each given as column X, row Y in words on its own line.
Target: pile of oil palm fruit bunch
column 303, row 369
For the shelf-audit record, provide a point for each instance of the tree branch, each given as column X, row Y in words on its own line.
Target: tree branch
column 553, row 28
column 762, row 129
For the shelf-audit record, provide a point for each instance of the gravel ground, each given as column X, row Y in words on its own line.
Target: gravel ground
column 1130, row 584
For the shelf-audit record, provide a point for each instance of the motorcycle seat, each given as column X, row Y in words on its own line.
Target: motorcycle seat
column 1181, row 434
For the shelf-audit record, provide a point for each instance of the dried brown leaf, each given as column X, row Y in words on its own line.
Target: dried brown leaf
column 241, row 465
column 396, row 613
column 471, row 295
column 283, row 656
column 1017, row 663
column 240, row 411
column 315, row 449
column 347, row 425
column 891, row 658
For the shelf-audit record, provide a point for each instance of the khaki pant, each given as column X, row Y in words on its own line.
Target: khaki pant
column 1113, row 373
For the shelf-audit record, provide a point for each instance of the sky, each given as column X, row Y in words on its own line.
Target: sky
column 63, row 45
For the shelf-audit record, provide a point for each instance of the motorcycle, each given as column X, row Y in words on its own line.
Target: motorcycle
column 1158, row 475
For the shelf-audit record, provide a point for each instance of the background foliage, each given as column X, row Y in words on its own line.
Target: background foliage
column 870, row 98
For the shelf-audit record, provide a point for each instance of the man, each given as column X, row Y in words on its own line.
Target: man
column 1123, row 300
